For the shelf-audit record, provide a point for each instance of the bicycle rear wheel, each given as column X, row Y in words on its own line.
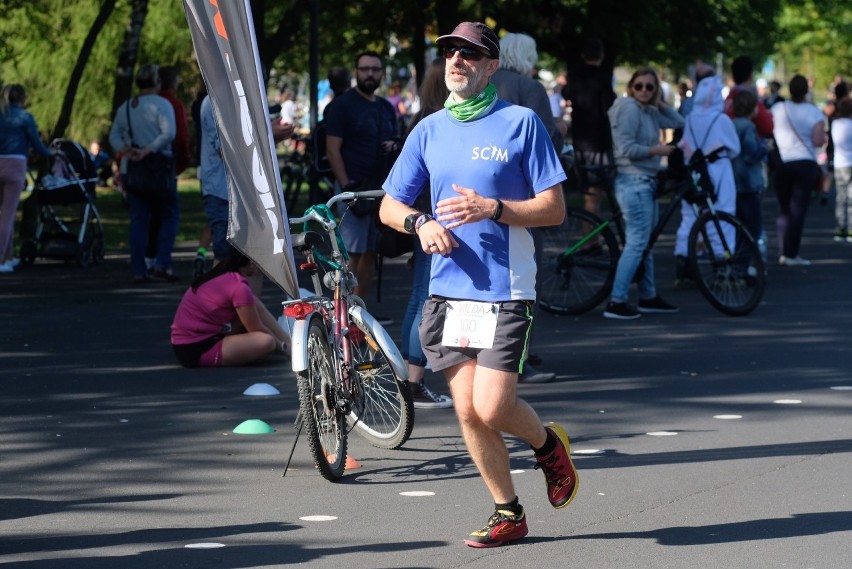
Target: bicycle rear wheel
column 384, row 416
column 322, row 418
column 578, row 261
column 728, row 269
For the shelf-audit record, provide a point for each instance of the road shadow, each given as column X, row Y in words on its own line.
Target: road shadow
column 797, row 525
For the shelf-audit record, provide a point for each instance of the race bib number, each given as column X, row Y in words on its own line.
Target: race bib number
column 469, row 324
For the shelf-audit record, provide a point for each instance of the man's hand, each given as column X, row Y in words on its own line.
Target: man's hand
column 436, row 239
column 137, row 154
column 469, row 207
column 282, row 130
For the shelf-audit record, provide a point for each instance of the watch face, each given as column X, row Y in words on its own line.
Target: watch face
column 409, row 222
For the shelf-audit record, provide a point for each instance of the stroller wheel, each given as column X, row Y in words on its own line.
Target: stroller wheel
column 28, row 252
column 98, row 250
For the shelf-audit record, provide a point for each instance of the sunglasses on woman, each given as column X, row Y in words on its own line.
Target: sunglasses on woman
column 650, row 87
column 468, row 54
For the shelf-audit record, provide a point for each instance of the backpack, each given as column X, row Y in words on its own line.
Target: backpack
column 698, row 163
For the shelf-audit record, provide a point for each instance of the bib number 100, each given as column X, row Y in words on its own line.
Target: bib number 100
column 469, row 324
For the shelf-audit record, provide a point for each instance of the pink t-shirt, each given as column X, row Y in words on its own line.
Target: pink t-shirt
column 204, row 313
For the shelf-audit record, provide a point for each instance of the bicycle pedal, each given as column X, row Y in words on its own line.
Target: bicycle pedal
column 365, row 366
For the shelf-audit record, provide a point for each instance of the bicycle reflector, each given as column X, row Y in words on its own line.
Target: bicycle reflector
column 298, row 310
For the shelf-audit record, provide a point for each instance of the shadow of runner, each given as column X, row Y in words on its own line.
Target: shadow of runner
column 798, row 525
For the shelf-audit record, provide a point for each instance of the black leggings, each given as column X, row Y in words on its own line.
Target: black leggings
column 794, row 182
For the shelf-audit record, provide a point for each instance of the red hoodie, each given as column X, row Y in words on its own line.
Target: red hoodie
column 180, row 145
column 762, row 120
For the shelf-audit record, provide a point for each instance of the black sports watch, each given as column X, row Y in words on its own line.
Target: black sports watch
column 410, row 221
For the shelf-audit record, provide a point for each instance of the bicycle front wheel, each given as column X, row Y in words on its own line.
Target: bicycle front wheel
column 323, row 421
column 384, row 415
column 578, row 262
column 726, row 263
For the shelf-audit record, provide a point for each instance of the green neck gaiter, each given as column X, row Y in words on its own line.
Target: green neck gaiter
column 474, row 107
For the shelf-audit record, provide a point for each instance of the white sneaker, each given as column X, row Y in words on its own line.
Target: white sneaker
column 6, row 268
column 793, row 261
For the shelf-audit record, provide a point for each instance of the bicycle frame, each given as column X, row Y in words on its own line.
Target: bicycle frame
column 343, row 308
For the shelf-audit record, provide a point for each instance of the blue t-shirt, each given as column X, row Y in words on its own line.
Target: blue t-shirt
column 508, row 155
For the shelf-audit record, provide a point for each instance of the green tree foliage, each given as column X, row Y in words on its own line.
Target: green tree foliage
column 41, row 40
column 814, row 40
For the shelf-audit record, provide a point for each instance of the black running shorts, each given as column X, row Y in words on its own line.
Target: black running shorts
column 510, row 340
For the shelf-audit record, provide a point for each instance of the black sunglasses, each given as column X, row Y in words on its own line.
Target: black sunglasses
column 650, row 87
column 468, row 54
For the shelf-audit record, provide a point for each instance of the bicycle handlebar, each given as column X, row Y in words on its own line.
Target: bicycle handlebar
column 327, row 224
column 352, row 196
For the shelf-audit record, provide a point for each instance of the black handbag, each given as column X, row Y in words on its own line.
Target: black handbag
column 152, row 177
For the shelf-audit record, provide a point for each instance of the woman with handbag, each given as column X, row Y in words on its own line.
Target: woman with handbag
column 799, row 131
column 143, row 131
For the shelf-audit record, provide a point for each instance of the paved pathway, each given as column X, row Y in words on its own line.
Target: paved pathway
column 111, row 456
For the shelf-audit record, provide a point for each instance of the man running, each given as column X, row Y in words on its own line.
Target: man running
column 494, row 173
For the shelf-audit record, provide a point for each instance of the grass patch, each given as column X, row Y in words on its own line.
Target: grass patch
column 115, row 216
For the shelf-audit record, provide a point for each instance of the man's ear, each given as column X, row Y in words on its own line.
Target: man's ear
column 493, row 66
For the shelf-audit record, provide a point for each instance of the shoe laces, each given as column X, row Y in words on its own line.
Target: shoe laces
column 500, row 516
column 552, row 468
column 426, row 392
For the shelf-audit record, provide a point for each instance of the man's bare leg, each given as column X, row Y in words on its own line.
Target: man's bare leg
column 487, row 406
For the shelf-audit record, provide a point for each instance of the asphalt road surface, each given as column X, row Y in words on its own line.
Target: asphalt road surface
column 701, row 440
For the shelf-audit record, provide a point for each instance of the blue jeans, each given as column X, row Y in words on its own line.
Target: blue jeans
column 140, row 219
column 216, row 211
column 411, row 348
column 635, row 195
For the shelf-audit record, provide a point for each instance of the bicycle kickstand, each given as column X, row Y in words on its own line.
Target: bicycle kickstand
column 298, row 424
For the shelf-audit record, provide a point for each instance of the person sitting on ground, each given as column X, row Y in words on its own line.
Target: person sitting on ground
column 220, row 322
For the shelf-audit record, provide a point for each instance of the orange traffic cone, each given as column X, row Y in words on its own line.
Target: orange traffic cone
column 351, row 462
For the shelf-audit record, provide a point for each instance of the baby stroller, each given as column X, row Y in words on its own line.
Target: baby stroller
column 68, row 225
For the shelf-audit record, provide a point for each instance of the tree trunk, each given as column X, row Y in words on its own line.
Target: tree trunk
column 129, row 53
column 418, row 39
column 74, row 81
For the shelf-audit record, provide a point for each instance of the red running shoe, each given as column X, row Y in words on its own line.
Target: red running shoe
column 503, row 526
column 559, row 471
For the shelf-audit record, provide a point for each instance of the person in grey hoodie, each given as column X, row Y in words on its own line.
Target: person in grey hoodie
column 636, row 121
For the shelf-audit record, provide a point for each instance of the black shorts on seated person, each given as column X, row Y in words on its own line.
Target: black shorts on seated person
column 188, row 355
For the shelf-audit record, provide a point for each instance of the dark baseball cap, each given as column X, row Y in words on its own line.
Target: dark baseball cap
column 477, row 34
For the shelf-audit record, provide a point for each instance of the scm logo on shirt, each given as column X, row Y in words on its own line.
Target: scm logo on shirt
column 490, row 153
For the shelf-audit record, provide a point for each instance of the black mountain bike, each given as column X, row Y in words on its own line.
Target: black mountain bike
column 581, row 254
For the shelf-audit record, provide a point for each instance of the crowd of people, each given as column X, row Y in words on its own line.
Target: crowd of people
column 472, row 213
